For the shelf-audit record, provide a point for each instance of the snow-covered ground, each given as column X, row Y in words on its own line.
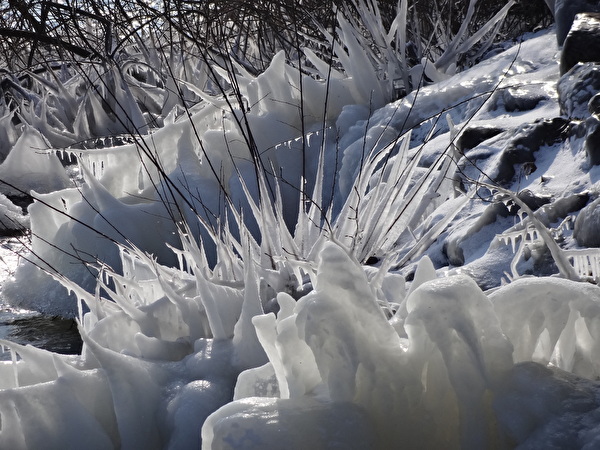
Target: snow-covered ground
column 395, row 313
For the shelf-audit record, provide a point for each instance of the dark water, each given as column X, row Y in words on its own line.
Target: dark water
column 29, row 327
column 50, row 333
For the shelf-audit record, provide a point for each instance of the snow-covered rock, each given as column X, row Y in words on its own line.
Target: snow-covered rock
column 587, row 225
column 566, row 10
column 582, row 44
column 576, row 88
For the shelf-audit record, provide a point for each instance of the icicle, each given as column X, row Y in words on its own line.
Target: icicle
column 513, row 243
column 576, row 264
column 13, row 358
column 179, row 260
column 80, row 309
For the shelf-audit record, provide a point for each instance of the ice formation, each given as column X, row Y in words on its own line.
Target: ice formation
column 32, row 166
column 329, row 370
column 257, row 335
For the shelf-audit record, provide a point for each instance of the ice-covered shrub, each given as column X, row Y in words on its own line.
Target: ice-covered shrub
column 258, row 323
column 215, row 149
column 397, row 54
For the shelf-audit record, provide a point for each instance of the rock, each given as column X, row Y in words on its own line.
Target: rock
column 550, row 4
column 582, row 44
column 527, row 140
column 565, row 11
column 453, row 250
column 521, row 99
column 579, row 98
column 562, row 207
column 576, row 88
column 456, row 246
column 473, row 136
column 592, row 140
column 518, row 98
column 532, row 200
column 587, row 225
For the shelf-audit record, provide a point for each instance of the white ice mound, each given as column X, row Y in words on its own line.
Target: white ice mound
column 294, row 424
column 337, row 348
column 160, row 365
column 552, row 320
column 30, row 166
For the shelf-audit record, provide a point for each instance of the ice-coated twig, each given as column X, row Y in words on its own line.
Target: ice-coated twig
column 562, row 262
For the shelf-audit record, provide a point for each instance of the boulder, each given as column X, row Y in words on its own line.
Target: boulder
column 550, row 4
column 576, row 88
column 592, row 141
column 582, row 44
column 592, row 125
column 475, row 135
column 456, row 246
column 523, row 98
column 527, row 140
column 587, row 225
column 566, row 10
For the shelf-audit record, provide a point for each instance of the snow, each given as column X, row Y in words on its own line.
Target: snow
column 205, row 325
